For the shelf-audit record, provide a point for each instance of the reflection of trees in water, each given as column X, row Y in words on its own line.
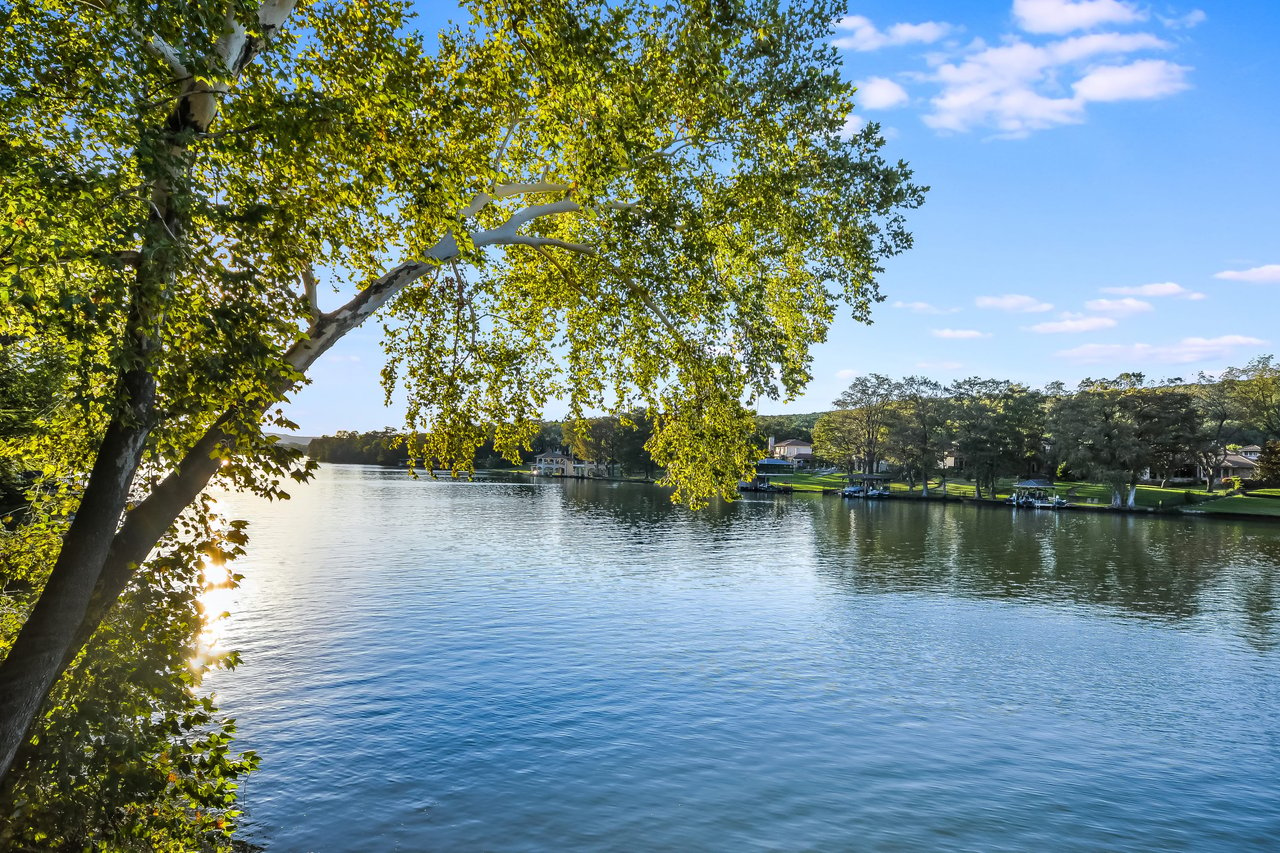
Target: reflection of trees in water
column 1174, row 569
column 634, row 505
column 1257, row 587
column 643, row 506
column 1170, row 568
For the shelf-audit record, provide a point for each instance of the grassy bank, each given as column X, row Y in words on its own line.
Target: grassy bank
column 1262, row 502
column 1240, row 505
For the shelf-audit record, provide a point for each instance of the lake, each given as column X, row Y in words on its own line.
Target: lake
column 518, row 665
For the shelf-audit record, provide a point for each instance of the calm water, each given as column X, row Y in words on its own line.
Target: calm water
column 511, row 666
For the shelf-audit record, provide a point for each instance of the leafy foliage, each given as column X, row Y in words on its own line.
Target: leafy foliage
column 1269, row 463
column 1256, row 391
column 862, row 428
column 838, row 439
column 676, row 218
column 920, row 429
column 127, row 754
column 999, row 429
column 1115, row 429
column 384, row 447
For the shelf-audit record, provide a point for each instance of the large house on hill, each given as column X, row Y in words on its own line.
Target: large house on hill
column 793, row 450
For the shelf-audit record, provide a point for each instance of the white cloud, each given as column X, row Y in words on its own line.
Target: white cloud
column 1141, row 80
column 1186, row 351
column 847, row 373
column 1063, row 16
column 1078, row 48
column 1018, row 87
column 939, row 365
column 1118, row 307
column 881, row 93
column 1164, row 288
column 852, row 125
column 1269, row 274
column 959, row 334
column 1194, row 18
column 1071, row 323
column 865, row 36
column 924, row 308
column 1013, row 302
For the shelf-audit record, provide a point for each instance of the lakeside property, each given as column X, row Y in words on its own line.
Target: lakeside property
column 1147, row 498
column 1108, row 441
column 792, row 468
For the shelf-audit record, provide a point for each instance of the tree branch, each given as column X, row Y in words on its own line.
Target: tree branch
column 482, row 200
column 526, row 240
column 163, row 51
column 308, row 277
column 523, row 217
column 506, row 141
column 150, row 518
column 237, row 48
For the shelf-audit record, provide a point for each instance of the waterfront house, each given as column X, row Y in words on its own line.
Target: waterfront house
column 1237, row 465
column 558, row 463
column 793, row 450
column 552, row 463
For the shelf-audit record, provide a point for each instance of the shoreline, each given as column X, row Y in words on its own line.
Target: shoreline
column 1186, row 510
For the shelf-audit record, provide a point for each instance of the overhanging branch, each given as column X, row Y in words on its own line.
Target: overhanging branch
column 162, row 50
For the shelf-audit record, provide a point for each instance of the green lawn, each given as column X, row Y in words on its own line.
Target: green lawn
column 803, row 482
column 1271, row 493
column 1239, row 505
column 1153, row 497
column 1080, row 492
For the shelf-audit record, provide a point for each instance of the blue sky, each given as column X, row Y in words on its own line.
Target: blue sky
column 1105, row 182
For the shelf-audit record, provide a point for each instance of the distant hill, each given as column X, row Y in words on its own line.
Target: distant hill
column 293, row 440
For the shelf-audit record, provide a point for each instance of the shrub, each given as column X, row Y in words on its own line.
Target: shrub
column 127, row 755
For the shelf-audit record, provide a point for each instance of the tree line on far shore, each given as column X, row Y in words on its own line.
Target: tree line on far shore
column 615, row 440
column 1113, row 431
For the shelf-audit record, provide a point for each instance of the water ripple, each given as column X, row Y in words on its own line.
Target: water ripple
column 509, row 666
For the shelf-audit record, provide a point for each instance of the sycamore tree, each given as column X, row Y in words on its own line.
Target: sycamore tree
column 1256, row 390
column 998, row 428
column 1216, row 401
column 1101, row 431
column 855, row 432
column 919, row 429
column 620, row 205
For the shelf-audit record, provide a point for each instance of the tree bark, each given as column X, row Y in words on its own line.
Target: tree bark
column 36, row 657
column 40, row 651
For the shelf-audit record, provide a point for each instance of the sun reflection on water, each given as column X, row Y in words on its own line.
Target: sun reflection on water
column 219, row 584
